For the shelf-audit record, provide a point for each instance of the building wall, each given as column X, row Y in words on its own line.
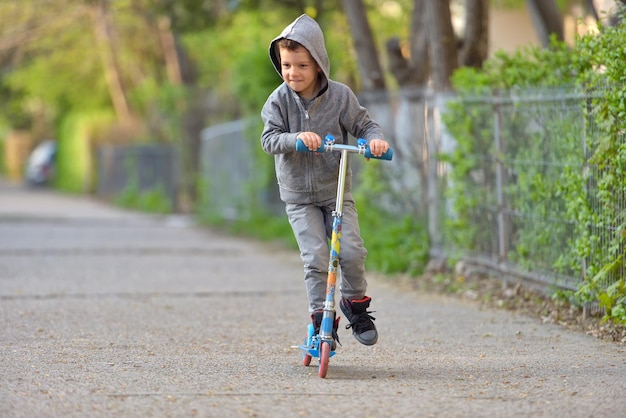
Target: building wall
column 510, row 30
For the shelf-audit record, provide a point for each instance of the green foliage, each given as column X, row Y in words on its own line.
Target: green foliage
column 527, row 67
column 65, row 66
column 14, row 108
column 266, row 227
column 396, row 243
column 191, row 15
column 601, row 66
column 253, row 88
column 77, row 135
column 232, row 57
column 151, row 201
column 260, row 224
column 612, row 297
column 250, row 219
column 519, row 4
column 3, row 134
column 60, row 78
column 62, row 65
column 471, row 126
column 590, row 198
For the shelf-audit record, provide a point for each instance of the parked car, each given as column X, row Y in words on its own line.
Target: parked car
column 40, row 166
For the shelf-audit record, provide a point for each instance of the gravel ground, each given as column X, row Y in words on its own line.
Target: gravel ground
column 107, row 313
column 493, row 292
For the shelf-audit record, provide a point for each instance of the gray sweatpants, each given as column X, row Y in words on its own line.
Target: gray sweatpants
column 312, row 226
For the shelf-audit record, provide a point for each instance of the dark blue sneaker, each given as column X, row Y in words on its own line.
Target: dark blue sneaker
column 361, row 321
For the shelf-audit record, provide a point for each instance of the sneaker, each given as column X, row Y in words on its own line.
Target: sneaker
column 316, row 318
column 360, row 320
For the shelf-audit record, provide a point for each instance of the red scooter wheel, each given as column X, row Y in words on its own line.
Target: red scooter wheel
column 306, row 358
column 324, row 359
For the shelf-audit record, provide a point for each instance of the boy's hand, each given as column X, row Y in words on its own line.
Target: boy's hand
column 312, row 140
column 378, row 147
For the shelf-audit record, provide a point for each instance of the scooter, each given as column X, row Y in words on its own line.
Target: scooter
column 321, row 345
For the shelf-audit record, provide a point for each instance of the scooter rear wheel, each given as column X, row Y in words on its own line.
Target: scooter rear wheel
column 324, row 359
column 306, row 358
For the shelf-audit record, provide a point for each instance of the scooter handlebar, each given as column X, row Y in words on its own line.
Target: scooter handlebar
column 300, row 147
column 388, row 155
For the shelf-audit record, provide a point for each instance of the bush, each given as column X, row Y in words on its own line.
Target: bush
column 595, row 64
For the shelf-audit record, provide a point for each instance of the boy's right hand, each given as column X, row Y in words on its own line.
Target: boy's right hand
column 311, row 140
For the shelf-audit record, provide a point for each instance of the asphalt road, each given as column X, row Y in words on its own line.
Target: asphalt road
column 108, row 313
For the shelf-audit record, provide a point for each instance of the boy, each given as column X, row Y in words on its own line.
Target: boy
column 307, row 106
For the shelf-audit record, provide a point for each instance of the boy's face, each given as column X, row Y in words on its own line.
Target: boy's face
column 300, row 71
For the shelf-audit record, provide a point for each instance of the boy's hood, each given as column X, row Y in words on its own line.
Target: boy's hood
column 308, row 33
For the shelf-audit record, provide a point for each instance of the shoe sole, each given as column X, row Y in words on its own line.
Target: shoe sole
column 370, row 341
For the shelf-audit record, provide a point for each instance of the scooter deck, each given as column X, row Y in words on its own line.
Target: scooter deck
column 312, row 351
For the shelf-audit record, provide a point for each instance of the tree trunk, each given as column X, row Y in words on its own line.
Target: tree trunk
column 475, row 47
column 372, row 75
column 442, row 43
column 547, row 20
column 111, row 70
column 412, row 71
column 591, row 7
column 419, row 60
column 168, row 45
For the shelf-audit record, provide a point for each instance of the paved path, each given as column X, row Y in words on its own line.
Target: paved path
column 107, row 313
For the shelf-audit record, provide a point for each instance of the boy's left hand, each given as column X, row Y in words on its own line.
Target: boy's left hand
column 378, row 147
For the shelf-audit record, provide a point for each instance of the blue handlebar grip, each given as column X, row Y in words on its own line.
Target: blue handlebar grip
column 300, row 147
column 388, row 155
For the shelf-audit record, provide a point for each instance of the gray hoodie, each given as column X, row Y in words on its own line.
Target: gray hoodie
column 311, row 177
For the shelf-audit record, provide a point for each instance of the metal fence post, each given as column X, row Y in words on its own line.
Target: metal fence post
column 433, row 144
column 499, row 168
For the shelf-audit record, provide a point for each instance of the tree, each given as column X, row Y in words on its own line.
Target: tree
column 372, row 75
column 435, row 51
column 104, row 39
column 547, row 18
column 596, row 9
column 475, row 45
column 442, row 42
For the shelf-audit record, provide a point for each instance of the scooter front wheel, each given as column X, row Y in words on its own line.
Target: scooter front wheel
column 324, row 358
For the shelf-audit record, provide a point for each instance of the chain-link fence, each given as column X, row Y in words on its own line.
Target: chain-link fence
column 142, row 168
column 509, row 196
column 510, row 183
column 515, row 214
column 232, row 176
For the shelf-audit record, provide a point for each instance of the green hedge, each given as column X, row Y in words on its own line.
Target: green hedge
column 595, row 64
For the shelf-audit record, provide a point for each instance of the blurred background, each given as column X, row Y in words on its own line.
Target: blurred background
column 154, row 105
column 96, row 75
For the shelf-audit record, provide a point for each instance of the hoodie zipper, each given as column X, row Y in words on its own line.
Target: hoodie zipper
column 307, row 116
column 307, row 119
